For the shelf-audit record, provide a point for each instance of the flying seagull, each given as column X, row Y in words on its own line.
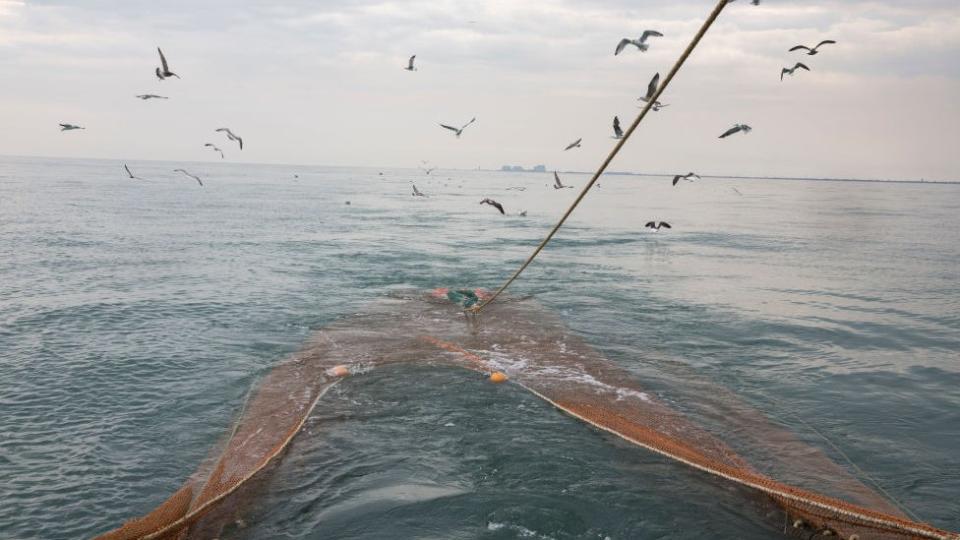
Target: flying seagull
column 130, row 174
column 459, row 131
column 151, row 96
column 557, row 184
column 216, row 149
column 640, row 43
column 231, row 136
column 656, row 226
column 651, row 88
column 410, row 64
column 494, row 204
column 522, row 213
column 789, row 71
column 197, row 178
column 574, row 144
column 689, row 176
column 69, row 127
column 417, row 192
column 737, row 127
column 164, row 72
column 617, row 132
column 813, row 51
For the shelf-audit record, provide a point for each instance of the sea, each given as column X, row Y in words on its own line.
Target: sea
column 136, row 314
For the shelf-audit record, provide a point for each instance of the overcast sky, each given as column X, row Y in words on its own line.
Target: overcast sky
column 322, row 83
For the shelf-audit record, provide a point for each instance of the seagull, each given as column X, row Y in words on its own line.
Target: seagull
column 151, row 96
column 689, row 176
column 164, row 72
column 557, row 184
column 428, row 170
column 231, row 136
column 640, row 43
column 522, row 213
column 789, row 71
column 737, row 127
column 130, row 174
column 656, row 226
column 458, row 131
column 494, row 204
column 737, row 191
column 216, row 149
column 69, row 127
column 410, row 64
column 417, row 192
column 574, row 144
column 197, row 178
column 651, row 88
column 617, row 132
column 812, row 51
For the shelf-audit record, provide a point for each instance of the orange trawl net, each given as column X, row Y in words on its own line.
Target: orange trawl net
column 539, row 354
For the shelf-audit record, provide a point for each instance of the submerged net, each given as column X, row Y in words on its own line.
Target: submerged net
column 537, row 352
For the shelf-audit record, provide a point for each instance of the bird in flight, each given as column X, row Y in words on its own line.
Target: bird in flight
column 151, row 96
column 494, row 204
column 231, row 136
column 651, row 88
column 736, row 128
column 215, row 149
column 197, row 178
column 163, row 72
column 813, row 51
column 656, row 226
column 69, row 127
column 130, row 174
column 640, row 43
column 789, row 71
column 410, row 66
column 557, row 184
column 617, row 132
column 417, row 192
column 574, row 144
column 689, row 176
column 459, row 131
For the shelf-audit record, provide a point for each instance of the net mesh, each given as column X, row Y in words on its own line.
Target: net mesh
column 537, row 352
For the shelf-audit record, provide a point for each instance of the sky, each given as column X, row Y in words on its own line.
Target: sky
column 321, row 83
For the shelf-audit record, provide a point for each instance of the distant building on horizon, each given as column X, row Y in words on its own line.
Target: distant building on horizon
column 519, row 168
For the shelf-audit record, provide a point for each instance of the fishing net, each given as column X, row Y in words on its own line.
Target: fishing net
column 537, row 352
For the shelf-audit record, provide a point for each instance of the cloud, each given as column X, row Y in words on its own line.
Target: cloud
column 536, row 73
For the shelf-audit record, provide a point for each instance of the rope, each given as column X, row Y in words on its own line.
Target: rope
column 616, row 149
column 205, row 507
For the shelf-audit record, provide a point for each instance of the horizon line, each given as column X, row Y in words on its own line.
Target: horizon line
column 479, row 168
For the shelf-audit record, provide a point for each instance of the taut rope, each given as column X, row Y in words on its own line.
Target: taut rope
column 616, row 149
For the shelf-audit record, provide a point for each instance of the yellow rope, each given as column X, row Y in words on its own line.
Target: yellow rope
column 616, row 149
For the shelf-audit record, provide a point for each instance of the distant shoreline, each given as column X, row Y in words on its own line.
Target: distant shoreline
column 548, row 171
column 791, row 178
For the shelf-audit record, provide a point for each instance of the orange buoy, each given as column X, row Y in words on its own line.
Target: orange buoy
column 339, row 371
column 498, row 377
